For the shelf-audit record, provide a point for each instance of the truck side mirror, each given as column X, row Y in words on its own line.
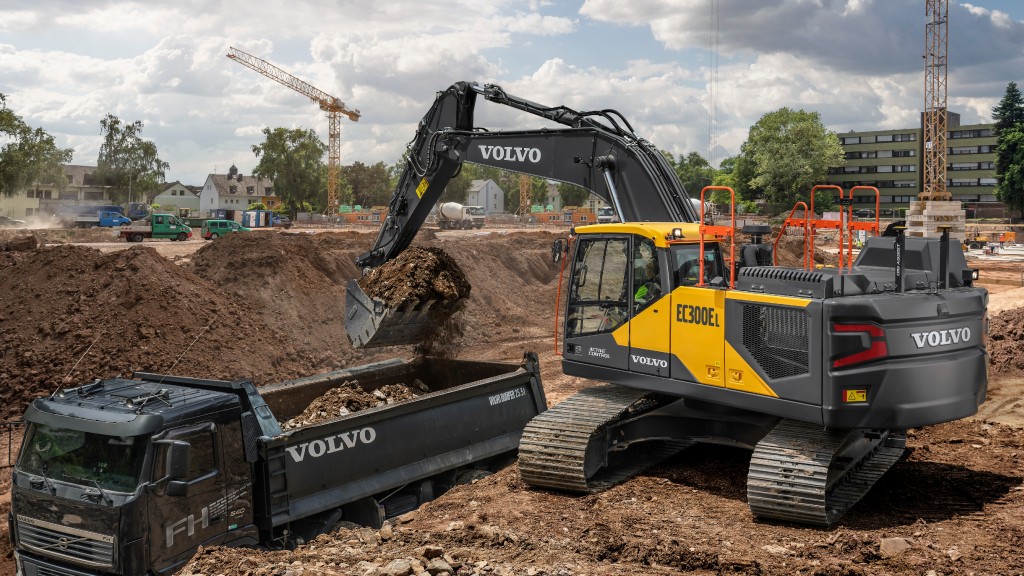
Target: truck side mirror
column 179, row 458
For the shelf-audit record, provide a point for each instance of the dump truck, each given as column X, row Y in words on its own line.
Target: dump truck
column 452, row 215
column 817, row 372
column 156, row 226
column 131, row 475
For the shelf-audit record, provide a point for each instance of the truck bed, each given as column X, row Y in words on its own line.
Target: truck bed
column 473, row 411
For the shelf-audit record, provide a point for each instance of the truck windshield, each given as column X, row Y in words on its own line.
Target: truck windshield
column 606, row 211
column 113, row 462
column 476, row 211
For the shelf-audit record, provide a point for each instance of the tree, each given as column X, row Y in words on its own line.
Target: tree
column 294, row 160
column 28, row 156
column 790, row 151
column 1009, row 124
column 571, row 194
column 371, row 185
column 695, row 172
column 1010, row 110
column 127, row 163
column 1010, row 168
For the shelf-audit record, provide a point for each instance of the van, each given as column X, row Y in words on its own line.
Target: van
column 217, row 228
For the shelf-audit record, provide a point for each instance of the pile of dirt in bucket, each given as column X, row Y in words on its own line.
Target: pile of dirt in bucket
column 350, row 397
column 415, row 276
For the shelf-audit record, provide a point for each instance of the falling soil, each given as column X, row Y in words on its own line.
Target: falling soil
column 270, row 306
column 349, row 397
column 416, row 276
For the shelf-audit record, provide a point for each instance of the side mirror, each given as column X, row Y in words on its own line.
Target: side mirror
column 556, row 250
column 179, row 459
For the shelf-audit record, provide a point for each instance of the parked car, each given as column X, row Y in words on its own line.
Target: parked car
column 864, row 213
column 6, row 222
column 217, row 228
column 282, row 221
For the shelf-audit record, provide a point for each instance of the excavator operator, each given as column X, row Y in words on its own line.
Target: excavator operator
column 646, row 279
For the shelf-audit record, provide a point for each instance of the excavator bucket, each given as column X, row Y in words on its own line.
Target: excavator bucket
column 371, row 323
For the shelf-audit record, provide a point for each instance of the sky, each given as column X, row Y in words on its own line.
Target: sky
column 66, row 64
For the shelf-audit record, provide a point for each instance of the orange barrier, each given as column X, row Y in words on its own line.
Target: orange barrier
column 790, row 222
column 720, row 232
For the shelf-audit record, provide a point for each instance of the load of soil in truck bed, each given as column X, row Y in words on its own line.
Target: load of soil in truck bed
column 350, row 397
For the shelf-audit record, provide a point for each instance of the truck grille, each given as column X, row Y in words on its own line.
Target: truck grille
column 69, row 544
column 778, row 339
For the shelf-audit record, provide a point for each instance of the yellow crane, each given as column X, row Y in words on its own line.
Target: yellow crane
column 330, row 104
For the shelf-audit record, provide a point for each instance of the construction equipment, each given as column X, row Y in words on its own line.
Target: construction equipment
column 132, row 476
column 818, row 372
column 334, row 107
column 156, row 226
column 452, row 215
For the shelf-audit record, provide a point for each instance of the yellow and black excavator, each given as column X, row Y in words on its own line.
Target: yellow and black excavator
column 818, row 372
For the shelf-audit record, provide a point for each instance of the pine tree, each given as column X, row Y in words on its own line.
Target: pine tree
column 1010, row 110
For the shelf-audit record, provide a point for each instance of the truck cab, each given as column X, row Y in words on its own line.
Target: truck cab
column 107, row 460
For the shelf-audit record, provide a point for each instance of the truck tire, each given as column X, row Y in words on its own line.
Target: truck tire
column 214, row 236
column 181, row 237
column 136, row 237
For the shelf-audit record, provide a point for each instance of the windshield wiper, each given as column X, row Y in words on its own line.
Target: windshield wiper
column 108, row 499
column 42, row 472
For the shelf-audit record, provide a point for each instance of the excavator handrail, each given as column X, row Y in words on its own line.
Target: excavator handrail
column 868, row 226
column 822, row 223
column 788, row 222
column 558, row 297
column 724, row 231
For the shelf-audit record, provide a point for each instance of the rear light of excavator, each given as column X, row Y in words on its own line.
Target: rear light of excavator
column 852, row 350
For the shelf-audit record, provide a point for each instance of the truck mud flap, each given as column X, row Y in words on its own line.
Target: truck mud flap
column 370, row 323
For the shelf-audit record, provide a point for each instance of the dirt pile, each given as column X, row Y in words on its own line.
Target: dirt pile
column 790, row 253
column 349, row 397
column 71, row 314
column 1006, row 340
column 416, row 276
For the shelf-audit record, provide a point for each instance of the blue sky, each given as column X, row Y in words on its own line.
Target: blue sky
column 65, row 64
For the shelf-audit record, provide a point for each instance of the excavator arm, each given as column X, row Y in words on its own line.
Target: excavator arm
column 595, row 150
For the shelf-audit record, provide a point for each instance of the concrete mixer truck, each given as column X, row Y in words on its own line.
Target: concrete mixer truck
column 452, row 215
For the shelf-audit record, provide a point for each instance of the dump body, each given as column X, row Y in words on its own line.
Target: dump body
column 135, row 474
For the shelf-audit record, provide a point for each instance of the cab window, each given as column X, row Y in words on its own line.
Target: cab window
column 685, row 263
column 600, row 286
column 646, row 274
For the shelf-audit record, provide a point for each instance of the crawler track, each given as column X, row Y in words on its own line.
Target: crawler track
column 803, row 473
column 568, row 447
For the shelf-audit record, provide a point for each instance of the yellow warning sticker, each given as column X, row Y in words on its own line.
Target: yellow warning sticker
column 855, row 395
column 422, row 188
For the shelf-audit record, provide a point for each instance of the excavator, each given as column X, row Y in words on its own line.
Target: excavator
column 819, row 372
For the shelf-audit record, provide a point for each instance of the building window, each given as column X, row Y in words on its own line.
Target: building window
column 232, row 188
column 904, row 137
column 46, row 194
column 30, row 194
column 904, row 153
column 883, row 138
column 885, row 153
column 904, row 184
column 70, row 180
column 885, row 168
column 963, row 166
column 268, row 191
column 867, row 139
column 959, row 182
column 851, row 140
column 68, row 195
column 963, row 150
column 93, row 195
column 905, row 168
column 250, row 190
column 986, row 165
column 986, row 181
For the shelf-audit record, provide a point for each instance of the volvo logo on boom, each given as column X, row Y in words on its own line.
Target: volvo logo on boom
column 937, row 338
column 510, row 153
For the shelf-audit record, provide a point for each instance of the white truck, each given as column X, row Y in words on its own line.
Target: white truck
column 452, row 215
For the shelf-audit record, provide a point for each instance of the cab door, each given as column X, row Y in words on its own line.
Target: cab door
column 698, row 315
column 598, row 307
column 649, row 328
column 181, row 522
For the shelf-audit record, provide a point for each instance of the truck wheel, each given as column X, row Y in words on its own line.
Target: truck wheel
column 214, row 236
column 182, row 237
column 136, row 237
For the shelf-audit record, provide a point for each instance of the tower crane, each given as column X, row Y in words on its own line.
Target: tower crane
column 334, row 107
column 935, row 80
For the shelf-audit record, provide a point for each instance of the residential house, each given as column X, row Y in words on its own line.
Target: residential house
column 179, row 195
column 44, row 200
column 227, row 195
column 488, row 194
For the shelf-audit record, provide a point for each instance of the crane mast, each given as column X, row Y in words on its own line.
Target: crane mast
column 935, row 81
column 334, row 107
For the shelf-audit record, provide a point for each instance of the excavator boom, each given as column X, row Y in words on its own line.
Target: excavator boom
column 595, row 150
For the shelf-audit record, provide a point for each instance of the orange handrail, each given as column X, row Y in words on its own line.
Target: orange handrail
column 729, row 231
column 815, row 224
column 869, row 226
column 790, row 221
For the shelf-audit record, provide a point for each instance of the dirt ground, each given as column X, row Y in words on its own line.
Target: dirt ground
column 270, row 306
